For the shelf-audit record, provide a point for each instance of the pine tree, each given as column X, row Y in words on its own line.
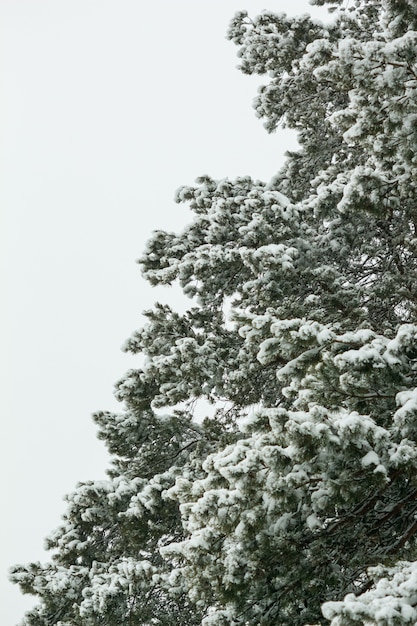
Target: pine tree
column 264, row 467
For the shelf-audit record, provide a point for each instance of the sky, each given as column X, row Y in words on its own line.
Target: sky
column 107, row 107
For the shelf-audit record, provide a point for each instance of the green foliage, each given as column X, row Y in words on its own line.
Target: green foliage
column 264, row 465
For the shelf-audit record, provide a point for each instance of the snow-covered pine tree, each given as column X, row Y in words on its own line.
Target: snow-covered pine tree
column 295, row 501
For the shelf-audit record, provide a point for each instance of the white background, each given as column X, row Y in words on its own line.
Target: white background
column 107, row 107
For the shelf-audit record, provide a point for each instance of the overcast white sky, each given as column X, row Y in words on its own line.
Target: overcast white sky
column 107, row 107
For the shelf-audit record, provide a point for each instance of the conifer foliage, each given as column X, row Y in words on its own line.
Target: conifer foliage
column 294, row 501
